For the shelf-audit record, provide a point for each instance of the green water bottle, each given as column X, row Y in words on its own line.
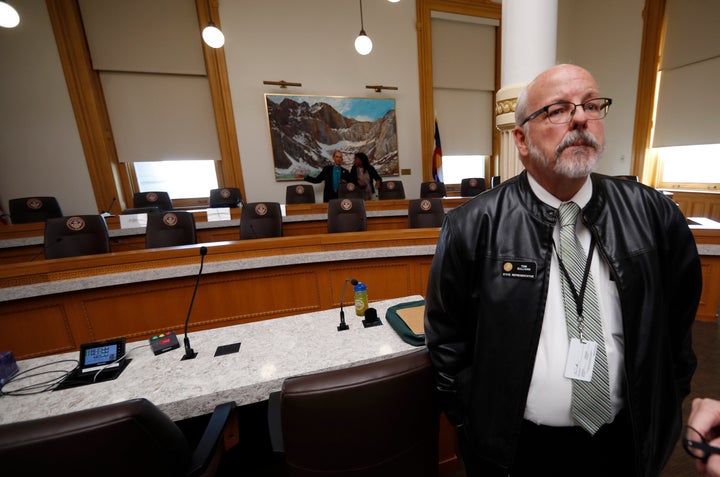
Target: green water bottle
column 361, row 299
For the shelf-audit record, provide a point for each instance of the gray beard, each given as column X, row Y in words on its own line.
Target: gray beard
column 576, row 166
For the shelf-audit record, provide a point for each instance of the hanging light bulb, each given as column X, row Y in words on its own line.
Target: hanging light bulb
column 363, row 43
column 9, row 17
column 212, row 36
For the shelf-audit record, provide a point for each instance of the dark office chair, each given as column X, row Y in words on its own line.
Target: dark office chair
column 225, row 197
column 425, row 213
column 33, row 209
column 76, row 235
column 432, row 189
column 376, row 419
column 494, row 181
column 261, row 220
column 170, row 229
column 349, row 191
column 391, row 190
column 346, row 215
column 127, row 438
column 299, row 194
column 152, row 199
column 472, row 186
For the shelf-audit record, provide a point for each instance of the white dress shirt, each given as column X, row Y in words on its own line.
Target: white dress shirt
column 550, row 396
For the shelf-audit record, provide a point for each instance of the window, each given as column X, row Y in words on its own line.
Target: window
column 180, row 179
column 457, row 168
column 689, row 167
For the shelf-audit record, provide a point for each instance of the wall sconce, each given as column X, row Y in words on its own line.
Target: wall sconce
column 363, row 43
column 282, row 83
column 212, row 36
column 9, row 17
column 378, row 87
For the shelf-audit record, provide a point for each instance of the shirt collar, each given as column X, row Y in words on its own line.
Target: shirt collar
column 581, row 198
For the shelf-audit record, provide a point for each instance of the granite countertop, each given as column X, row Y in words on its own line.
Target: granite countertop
column 270, row 351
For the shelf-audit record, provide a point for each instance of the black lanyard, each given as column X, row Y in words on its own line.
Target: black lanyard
column 578, row 297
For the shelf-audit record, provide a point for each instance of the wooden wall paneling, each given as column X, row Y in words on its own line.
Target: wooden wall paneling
column 710, row 297
column 39, row 329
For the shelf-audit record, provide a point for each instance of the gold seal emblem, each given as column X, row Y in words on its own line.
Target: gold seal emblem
column 75, row 223
column 473, row 182
column 300, row 190
column 346, row 204
column 507, row 266
column 34, row 203
column 351, row 186
column 432, row 186
column 151, row 197
column 425, row 205
column 261, row 209
column 170, row 219
column 225, row 193
column 391, row 185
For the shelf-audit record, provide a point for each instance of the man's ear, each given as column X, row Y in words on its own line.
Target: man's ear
column 520, row 141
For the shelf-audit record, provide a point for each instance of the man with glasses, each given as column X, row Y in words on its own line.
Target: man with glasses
column 560, row 304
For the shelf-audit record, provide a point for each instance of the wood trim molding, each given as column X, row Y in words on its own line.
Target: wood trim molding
column 217, row 74
column 88, row 102
column 652, row 37
column 478, row 8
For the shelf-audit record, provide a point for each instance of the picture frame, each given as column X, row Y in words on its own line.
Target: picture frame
column 306, row 129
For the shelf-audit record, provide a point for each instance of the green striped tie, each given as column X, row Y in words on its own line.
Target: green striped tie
column 591, row 400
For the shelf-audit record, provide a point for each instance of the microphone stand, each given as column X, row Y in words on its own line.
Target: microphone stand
column 343, row 326
column 189, row 352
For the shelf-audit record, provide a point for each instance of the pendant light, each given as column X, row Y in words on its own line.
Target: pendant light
column 9, row 17
column 363, row 43
column 212, row 36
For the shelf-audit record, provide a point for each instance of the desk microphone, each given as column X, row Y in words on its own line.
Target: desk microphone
column 189, row 352
column 343, row 326
column 107, row 209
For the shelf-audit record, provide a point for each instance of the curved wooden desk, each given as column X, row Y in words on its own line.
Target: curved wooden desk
column 53, row 306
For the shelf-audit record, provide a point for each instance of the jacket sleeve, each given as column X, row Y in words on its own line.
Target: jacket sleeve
column 448, row 333
column 316, row 179
column 685, row 287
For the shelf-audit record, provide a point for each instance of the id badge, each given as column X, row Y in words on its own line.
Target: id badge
column 580, row 360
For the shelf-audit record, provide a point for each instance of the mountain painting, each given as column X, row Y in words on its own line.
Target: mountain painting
column 305, row 130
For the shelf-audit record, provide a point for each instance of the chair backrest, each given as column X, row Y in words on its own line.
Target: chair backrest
column 472, row 186
column 225, row 197
column 392, row 189
column 374, row 419
column 346, row 215
column 425, row 213
column 24, row 210
column 152, row 199
column 349, row 190
column 261, row 220
column 76, row 235
column 432, row 189
column 126, row 438
column 494, row 181
column 170, row 229
column 299, row 194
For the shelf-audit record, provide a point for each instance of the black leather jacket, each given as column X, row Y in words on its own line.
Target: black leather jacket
column 483, row 328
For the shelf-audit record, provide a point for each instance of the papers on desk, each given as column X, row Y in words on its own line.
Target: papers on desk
column 216, row 214
column 131, row 221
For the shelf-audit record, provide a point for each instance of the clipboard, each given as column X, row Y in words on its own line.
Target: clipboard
column 407, row 319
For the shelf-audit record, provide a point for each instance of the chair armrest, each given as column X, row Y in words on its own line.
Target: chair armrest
column 205, row 449
column 274, row 426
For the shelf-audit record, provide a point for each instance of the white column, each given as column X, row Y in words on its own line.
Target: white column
column 529, row 45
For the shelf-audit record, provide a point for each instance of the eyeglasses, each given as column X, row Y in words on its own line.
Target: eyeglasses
column 563, row 111
column 695, row 444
